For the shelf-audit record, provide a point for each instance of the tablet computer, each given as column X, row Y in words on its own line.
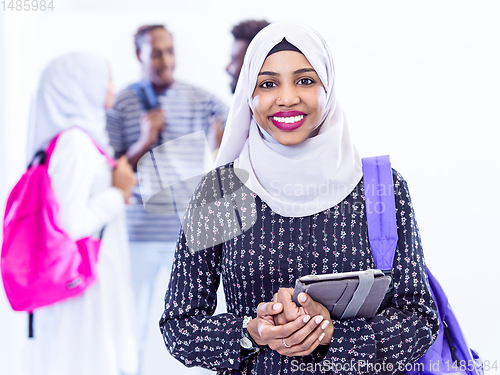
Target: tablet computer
column 346, row 295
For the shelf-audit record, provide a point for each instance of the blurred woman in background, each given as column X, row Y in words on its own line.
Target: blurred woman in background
column 93, row 333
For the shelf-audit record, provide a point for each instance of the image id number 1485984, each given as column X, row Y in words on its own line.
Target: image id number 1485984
column 27, row 5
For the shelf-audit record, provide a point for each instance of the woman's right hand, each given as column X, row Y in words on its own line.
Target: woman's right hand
column 290, row 310
column 302, row 335
column 124, row 178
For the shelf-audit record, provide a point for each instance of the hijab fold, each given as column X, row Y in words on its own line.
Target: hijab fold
column 71, row 92
column 298, row 180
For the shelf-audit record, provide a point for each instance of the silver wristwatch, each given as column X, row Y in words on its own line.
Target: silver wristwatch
column 248, row 345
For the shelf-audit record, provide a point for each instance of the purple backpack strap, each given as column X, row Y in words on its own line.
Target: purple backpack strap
column 450, row 349
column 380, row 210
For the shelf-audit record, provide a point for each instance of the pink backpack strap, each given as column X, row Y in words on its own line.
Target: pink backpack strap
column 110, row 160
column 52, row 145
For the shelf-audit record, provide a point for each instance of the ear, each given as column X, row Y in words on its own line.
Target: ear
column 138, row 54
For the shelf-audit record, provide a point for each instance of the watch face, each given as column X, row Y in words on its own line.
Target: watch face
column 245, row 343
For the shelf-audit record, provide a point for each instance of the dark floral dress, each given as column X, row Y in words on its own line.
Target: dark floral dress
column 230, row 232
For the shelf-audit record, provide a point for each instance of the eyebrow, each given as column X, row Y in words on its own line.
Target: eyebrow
column 268, row 73
column 305, row 70
column 299, row 71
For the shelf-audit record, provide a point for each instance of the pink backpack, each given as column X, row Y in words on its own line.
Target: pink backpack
column 41, row 264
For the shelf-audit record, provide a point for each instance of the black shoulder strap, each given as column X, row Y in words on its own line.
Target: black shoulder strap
column 30, row 325
column 147, row 95
column 145, row 92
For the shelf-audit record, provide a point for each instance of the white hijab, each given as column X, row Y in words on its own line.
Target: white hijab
column 71, row 92
column 302, row 179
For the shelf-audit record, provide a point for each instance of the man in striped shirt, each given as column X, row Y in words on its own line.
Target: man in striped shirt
column 159, row 111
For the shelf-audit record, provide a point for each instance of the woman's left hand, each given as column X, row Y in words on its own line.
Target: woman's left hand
column 312, row 308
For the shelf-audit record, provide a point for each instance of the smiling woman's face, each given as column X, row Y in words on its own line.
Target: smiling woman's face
column 289, row 98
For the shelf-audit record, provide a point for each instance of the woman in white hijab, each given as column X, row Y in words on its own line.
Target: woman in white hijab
column 92, row 333
column 284, row 203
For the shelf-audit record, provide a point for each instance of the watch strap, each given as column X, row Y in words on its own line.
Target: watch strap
column 255, row 348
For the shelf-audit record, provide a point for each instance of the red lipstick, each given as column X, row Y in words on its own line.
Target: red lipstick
column 284, row 120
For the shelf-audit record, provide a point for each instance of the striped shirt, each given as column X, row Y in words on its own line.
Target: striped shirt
column 180, row 156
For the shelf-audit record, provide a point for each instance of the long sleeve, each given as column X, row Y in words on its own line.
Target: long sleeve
column 75, row 166
column 191, row 333
column 403, row 332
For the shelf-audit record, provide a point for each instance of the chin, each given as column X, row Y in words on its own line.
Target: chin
column 164, row 82
column 287, row 141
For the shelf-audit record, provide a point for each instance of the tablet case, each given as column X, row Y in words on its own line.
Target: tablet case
column 348, row 294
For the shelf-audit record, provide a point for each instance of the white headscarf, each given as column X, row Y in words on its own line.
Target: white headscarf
column 71, row 92
column 302, row 179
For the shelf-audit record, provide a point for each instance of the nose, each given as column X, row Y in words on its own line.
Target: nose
column 164, row 59
column 167, row 59
column 287, row 96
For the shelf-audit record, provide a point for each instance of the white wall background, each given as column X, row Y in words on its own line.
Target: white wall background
column 417, row 80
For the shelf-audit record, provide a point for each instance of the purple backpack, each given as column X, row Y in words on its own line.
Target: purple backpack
column 450, row 353
column 41, row 264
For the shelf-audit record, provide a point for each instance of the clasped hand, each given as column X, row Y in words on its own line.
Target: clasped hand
column 289, row 329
